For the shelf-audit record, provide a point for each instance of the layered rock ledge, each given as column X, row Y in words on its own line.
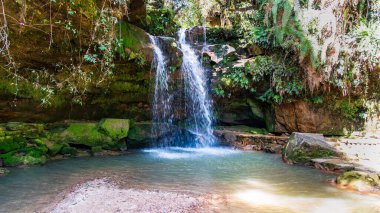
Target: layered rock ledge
column 250, row 141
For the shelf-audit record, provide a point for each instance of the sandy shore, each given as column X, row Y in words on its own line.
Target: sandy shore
column 102, row 196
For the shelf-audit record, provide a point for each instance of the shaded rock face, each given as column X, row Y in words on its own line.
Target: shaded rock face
column 125, row 93
column 300, row 117
column 367, row 182
column 240, row 111
column 301, row 148
column 137, row 12
column 196, row 35
column 141, row 135
column 171, row 51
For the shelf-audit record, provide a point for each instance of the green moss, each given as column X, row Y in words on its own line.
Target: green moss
column 300, row 155
column 115, row 128
column 7, row 144
column 127, row 87
column 96, row 149
column 133, row 41
column 370, row 179
column 259, row 131
column 139, row 135
column 55, row 148
column 69, row 151
column 85, row 134
column 25, row 156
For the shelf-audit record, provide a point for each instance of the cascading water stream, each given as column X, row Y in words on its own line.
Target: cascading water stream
column 197, row 106
column 162, row 101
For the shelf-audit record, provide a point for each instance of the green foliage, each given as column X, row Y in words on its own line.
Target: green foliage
column 349, row 109
column 283, row 74
column 316, row 100
column 191, row 15
column 161, row 22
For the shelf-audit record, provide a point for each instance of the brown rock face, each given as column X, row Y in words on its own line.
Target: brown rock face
column 137, row 12
column 300, row 117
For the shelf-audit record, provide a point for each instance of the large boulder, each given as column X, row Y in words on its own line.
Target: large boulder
column 299, row 116
column 115, row 128
column 89, row 135
column 301, row 148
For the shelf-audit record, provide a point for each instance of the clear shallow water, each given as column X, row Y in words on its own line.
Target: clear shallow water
column 246, row 181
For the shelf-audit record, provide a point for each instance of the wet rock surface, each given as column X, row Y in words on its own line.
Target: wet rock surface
column 301, row 148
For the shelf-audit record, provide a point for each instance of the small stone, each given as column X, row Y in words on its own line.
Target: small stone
column 4, row 171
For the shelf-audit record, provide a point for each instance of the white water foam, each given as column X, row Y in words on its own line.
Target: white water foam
column 182, row 153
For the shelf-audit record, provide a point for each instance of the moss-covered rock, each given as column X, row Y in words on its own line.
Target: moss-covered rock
column 301, row 148
column 140, row 135
column 69, row 151
column 7, row 144
column 135, row 43
column 115, row 128
column 25, row 156
column 96, row 149
column 84, row 134
column 54, row 148
column 359, row 181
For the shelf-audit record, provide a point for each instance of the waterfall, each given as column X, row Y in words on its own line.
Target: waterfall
column 162, row 101
column 197, row 102
column 197, row 131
